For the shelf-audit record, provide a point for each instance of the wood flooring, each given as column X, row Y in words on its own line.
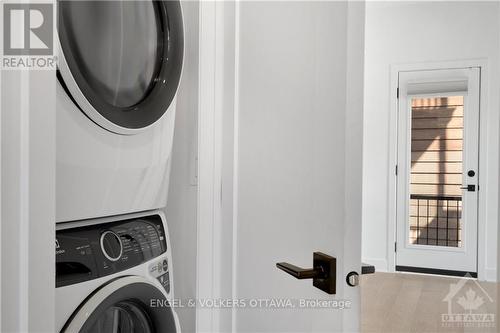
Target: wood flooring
column 400, row 302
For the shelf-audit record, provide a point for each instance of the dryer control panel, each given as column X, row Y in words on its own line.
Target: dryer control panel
column 92, row 251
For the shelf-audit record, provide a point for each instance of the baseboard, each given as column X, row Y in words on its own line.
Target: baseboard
column 380, row 264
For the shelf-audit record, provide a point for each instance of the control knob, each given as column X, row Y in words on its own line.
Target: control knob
column 111, row 245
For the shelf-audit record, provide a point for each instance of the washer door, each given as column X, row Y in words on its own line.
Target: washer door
column 121, row 61
column 130, row 304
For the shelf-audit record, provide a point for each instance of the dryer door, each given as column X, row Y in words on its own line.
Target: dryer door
column 121, row 61
column 130, row 304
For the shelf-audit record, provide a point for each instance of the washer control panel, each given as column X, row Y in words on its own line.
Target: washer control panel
column 89, row 252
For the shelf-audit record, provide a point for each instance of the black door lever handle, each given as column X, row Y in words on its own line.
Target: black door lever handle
column 301, row 273
column 469, row 188
column 323, row 273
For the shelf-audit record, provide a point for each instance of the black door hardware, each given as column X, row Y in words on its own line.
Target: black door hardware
column 352, row 279
column 471, row 173
column 367, row 269
column 323, row 273
column 469, row 188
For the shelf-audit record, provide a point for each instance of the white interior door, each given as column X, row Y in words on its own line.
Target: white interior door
column 299, row 149
column 437, row 181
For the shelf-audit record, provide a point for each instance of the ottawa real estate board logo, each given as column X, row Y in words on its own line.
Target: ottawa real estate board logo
column 469, row 306
column 28, row 36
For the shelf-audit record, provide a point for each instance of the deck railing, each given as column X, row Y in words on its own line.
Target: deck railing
column 435, row 220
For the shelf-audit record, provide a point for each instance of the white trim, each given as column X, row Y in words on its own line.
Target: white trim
column 24, row 202
column 1, row 181
column 27, row 107
column 209, row 227
column 218, row 82
column 216, row 45
column 463, row 258
column 236, row 133
column 485, row 113
column 28, row 199
column 393, row 159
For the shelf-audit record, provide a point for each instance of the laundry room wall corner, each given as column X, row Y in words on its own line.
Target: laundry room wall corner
column 27, row 200
column 181, row 210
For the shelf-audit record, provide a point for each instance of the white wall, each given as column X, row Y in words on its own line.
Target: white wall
column 182, row 198
column 410, row 32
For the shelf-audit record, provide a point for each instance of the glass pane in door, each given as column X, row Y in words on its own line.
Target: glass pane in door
column 437, row 125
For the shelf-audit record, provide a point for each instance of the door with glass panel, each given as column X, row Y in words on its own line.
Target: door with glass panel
column 437, row 171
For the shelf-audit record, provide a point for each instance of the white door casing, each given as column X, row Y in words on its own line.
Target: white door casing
column 439, row 83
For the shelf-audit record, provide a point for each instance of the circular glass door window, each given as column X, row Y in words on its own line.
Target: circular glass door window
column 124, row 58
column 123, row 317
column 126, row 305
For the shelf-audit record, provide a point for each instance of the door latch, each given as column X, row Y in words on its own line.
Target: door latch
column 323, row 273
column 352, row 279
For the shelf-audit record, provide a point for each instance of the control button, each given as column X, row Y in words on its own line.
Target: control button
column 111, row 245
column 165, row 265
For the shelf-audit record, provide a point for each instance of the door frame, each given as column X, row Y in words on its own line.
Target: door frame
column 27, row 199
column 454, row 259
column 489, row 201
column 218, row 42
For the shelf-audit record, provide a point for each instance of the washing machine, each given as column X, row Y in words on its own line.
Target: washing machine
column 115, row 275
column 119, row 67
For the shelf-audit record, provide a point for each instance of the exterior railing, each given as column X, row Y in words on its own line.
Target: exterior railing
column 435, row 220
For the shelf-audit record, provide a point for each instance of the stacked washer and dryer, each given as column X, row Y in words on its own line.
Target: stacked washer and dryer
column 119, row 68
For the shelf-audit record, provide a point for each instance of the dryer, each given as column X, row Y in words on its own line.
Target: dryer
column 115, row 275
column 119, row 68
